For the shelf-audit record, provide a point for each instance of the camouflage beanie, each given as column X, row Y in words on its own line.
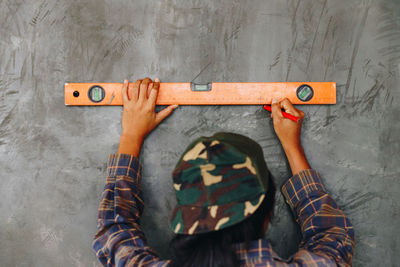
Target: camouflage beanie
column 219, row 181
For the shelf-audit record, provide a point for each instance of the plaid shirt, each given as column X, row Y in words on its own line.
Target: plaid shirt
column 328, row 236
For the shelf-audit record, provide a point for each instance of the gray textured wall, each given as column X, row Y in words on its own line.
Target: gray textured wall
column 52, row 157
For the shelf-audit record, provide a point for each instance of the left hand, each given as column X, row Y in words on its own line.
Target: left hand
column 139, row 117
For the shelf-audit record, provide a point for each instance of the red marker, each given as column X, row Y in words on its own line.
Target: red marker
column 286, row 115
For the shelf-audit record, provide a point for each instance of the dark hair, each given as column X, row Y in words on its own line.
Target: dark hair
column 215, row 249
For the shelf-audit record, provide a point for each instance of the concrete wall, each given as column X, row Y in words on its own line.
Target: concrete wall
column 52, row 157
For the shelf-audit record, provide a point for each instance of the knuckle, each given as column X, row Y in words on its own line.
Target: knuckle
column 299, row 112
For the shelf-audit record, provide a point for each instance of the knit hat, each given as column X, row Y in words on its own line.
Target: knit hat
column 219, row 181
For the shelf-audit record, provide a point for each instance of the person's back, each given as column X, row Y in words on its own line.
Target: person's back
column 225, row 198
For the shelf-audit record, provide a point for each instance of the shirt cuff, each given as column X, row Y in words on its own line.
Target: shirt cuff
column 302, row 185
column 123, row 164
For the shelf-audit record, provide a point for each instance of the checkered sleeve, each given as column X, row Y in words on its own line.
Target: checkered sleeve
column 120, row 240
column 326, row 230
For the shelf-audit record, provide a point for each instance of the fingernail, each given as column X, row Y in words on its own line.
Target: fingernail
column 274, row 101
column 157, row 80
column 125, row 81
column 174, row 106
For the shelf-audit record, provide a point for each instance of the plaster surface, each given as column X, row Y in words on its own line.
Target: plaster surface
column 53, row 157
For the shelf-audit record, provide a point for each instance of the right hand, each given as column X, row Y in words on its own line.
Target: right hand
column 287, row 130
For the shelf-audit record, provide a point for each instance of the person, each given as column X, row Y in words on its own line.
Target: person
column 225, row 197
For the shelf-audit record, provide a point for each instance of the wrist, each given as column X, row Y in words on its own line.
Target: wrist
column 130, row 144
column 133, row 137
column 297, row 159
column 293, row 150
column 292, row 147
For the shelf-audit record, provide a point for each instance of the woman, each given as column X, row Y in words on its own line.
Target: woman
column 225, row 198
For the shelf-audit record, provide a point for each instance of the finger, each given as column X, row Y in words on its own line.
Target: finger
column 143, row 89
column 133, row 90
column 288, row 107
column 300, row 112
column 125, row 91
column 276, row 111
column 154, row 92
column 165, row 113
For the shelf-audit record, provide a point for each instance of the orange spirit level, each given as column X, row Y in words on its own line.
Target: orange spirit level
column 216, row 93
